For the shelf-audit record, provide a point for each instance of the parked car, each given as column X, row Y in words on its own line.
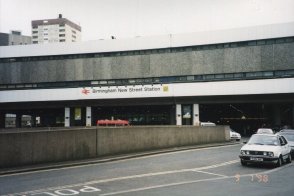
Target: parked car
column 207, row 124
column 289, row 135
column 265, row 131
column 266, row 148
column 287, row 130
column 234, row 135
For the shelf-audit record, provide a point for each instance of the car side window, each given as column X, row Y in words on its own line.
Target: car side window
column 281, row 141
column 285, row 141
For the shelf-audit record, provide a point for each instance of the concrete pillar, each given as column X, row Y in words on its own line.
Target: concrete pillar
column 18, row 120
column 88, row 116
column 293, row 116
column 33, row 120
column 2, row 120
column 196, row 121
column 276, row 115
column 179, row 114
column 67, row 117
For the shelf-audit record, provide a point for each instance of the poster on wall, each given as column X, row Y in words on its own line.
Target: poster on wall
column 78, row 114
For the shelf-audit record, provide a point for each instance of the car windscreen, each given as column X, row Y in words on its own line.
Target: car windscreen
column 263, row 140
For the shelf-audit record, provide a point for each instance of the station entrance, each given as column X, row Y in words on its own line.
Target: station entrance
column 247, row 118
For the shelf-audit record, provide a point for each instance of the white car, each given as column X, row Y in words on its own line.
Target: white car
column 234, row 135
column 266, row 148
column 265, row 131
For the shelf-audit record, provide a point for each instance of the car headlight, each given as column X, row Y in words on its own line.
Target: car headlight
column 245, row 152
column 270, row 154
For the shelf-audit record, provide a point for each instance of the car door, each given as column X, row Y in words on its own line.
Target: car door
column 284, row 146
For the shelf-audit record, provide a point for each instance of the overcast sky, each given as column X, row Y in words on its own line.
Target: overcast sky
column 100, row 19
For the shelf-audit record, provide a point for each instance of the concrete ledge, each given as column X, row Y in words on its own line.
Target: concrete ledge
column 38, row 147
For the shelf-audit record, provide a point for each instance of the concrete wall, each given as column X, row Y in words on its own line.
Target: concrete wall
column 27, row 148
column 228, row 60
column 122, row 140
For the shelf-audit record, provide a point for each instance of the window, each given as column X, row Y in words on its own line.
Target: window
column 268, row 73
column 61, row 35
column 238, row 75
column 111, row 82
column 62, row 25
column 279, row 73
column 291, row 39
column 35, row 32
column 261, row 42
column 252, row 43
column 219, row 76
column 254, row 74
column 19, row 86
column 229, row 75
column 190, row 78
column 10, row 86
column 139, row 81
column 198, row 77
column 156, row 80
column 290, row 72
column 61, row 30
column 147, row 80
column 118, row 82
column 62, row 40
column 220, row 46
column 132, row 81
column 280, row 41
column 270, row 41
column 234, row 45
column 209, row 77
column 181, row 78
column 35, row 37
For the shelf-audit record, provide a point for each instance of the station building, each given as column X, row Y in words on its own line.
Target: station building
column 242, row 77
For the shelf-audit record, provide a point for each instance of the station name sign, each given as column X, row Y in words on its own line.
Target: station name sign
column 125, row 91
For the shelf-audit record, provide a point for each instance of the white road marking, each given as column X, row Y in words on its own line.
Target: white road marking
column 211, row 173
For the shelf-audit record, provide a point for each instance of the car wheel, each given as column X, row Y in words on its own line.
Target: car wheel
column 280, row 162
column 289, row 159
column 243, row 163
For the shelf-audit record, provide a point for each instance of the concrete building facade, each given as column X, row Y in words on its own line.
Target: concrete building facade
column 241, row 77
column 14, row 38
column 55, row 30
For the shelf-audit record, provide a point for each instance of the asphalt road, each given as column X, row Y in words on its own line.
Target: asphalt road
column 209, row 171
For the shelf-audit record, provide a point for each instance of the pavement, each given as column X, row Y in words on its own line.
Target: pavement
column 46, row 166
